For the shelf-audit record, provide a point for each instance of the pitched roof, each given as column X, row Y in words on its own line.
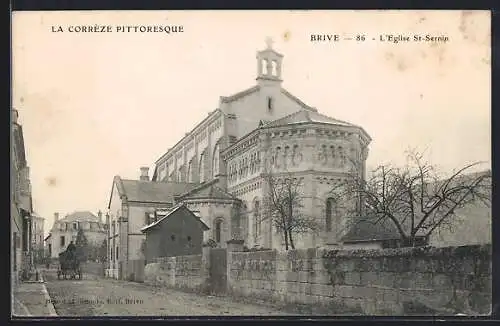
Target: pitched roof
column 304, row 116
column 243, row 93
column 172, row 212
column 80, row 216
column 208, row 190
column 151, row 191
column 297, row 100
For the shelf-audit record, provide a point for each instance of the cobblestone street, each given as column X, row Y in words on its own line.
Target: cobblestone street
column 105, row 297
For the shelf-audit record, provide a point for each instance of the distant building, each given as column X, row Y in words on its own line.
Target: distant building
column 21, row 204
column 178, row 233
column 65, row 230
column 37, row 238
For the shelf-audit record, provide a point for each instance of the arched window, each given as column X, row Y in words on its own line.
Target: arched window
column 215, row 164
column 277, row 157
column 202, row 167
column 256, row 217
column 190, row 171
column 330, row 212
column 342, row 157
column 264, row 67
column 180, row 174
column 218, row 230
column 285, row 156
column 269, row 103
column 274, row 68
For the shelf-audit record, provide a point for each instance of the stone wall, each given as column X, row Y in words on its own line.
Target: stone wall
column 182, row 272
column 374, row 282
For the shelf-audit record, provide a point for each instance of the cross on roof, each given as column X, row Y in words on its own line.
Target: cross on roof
column 269, row 42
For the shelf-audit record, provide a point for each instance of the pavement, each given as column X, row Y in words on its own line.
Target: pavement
column 31, row 299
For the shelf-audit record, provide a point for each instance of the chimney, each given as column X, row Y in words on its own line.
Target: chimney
column 99, row 215
column 144, row 173
column 56, row 217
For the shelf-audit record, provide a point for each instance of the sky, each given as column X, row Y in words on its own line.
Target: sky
column 96, row 105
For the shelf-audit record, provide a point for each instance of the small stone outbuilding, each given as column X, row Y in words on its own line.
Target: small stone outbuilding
column 178, row 233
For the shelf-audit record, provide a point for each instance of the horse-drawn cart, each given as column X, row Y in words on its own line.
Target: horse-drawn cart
column 69, row 266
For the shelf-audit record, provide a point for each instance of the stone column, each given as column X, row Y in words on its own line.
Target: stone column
column 232, row 246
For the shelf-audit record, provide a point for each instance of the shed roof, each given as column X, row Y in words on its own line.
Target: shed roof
column 172, row 212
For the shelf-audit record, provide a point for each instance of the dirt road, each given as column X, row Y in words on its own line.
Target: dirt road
column 95, row 296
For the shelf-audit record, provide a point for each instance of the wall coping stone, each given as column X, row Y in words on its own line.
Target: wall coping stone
column 427, row 251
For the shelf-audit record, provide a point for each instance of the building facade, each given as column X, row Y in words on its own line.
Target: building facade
column 261, row 130
column 130, row 204
column 65, row 230
column 37, row 239
column 21, row 204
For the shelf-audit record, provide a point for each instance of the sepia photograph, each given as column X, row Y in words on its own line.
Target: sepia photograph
column 251, row 163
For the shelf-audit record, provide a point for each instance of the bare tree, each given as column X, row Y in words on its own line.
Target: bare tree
column 284, row 205
column 415, row 199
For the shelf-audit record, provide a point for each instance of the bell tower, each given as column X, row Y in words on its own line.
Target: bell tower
column 269, row 65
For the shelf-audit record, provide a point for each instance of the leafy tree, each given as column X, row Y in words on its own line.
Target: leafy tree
column 82, row 246
column 414, row 199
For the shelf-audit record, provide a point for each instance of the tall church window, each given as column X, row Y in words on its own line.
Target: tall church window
column 277, row 157
column 218, row 230
column 269, row 103
column 329, row 213
column 190, row 171
column 274, row 68
column 180, row 174
column 202, row 167
column 216, row 160
column 257, row 219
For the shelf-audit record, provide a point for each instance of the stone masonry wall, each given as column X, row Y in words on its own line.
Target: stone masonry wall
column 176, row 272
column 374, row 282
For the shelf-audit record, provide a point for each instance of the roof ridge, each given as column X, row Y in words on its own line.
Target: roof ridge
column 342, row 121
column 285, row 117
column 200, row 187
column 235, row 96
column 225, row 192
column 170, row 212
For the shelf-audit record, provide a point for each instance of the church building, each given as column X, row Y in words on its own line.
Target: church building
column 264, row 129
